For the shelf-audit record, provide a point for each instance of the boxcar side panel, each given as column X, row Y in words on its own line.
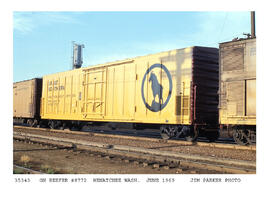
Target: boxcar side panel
column 162, row 85
column 129, row 91
column 184, row 80
column 24, row 93
column 61, row 96
column 251, row 98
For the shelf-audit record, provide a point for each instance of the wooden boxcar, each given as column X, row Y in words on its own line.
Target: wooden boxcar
column 238, row 89
column 176, row 90
column 26, row 100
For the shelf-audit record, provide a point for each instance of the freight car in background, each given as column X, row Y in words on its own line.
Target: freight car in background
column 26, row 101
column 176, row 91
column 237, row 106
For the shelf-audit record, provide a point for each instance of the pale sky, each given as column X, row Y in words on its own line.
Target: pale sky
column 42, row 41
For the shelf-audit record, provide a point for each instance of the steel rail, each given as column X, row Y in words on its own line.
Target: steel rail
column 185, row 143
column 31, row 171
column 202, row 162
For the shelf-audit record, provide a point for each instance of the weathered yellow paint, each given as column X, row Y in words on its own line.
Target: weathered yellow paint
column 113, row 91
column 237, row 101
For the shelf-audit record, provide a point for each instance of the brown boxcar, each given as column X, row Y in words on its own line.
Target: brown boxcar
column 26, row 100
column 237, row 98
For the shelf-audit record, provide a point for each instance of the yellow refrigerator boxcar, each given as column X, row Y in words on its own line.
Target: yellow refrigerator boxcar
column 154, row 89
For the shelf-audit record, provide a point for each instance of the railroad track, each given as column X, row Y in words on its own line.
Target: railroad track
column 146, row 155
column 148, row 133
column 172, row 141
column 27, row 170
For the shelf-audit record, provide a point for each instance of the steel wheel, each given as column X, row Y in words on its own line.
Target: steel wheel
column 240, row 137
column 51, row 124
column 164, row 132
column 251, row 137
column 54, row 124
column 168, row 131
column 30, row 122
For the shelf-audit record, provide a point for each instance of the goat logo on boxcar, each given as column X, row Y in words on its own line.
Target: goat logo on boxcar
column 157, row 87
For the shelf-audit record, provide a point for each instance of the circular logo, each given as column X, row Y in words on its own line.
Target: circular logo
column 157, row 88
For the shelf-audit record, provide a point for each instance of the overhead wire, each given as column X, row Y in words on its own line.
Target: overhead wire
column 226, row 15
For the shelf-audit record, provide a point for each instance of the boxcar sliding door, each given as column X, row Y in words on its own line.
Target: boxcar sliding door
column 93, row 95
